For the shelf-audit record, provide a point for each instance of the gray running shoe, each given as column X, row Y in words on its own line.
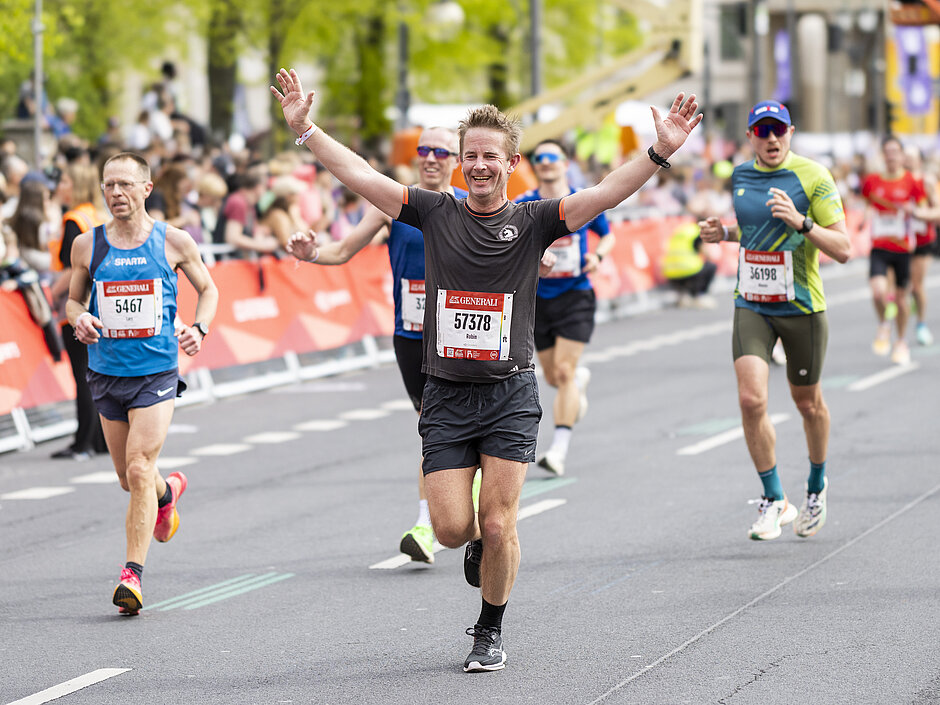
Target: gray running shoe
column 487, row 653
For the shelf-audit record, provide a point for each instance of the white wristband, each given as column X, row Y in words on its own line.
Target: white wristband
column 315, row 257
column 727, row 233
column 305, row 136
column 83, row 313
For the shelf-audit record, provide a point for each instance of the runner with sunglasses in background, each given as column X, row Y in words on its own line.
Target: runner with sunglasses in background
column 437, row 159
column 788, row 210
column 565, row 304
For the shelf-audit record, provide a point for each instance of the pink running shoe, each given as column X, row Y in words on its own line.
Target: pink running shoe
column 127, row 595
column 168, row 520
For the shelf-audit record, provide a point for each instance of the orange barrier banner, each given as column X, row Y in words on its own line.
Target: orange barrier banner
column 28, row 375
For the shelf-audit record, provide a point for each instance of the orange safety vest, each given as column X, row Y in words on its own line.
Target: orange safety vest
column 85, row 217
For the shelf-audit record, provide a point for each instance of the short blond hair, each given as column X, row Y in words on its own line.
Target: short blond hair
column 211, row 184
column 491, row 118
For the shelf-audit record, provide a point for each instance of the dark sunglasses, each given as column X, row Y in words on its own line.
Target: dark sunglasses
column 544, row 157
column 763, row 131
column 439, row 152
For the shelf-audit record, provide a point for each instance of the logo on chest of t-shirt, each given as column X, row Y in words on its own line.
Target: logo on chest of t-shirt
column 508, row 233
column 129, row 261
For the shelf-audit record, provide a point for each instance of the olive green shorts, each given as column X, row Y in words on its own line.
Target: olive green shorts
column 804, row 340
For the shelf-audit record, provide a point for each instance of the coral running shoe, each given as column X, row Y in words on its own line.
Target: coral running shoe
column 127, row 594
column 168, row 519
column 418, row 543
column 881, row 345
column 773, row 515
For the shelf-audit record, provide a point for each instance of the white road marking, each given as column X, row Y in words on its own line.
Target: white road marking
column 320, row 425
column 872, row 380
column 524, row 513
column 273, row 437
column 726, row 437
column 220, row 449
column 182, row 428
column 364, row 414
column 96, row 478
column 57, row 691
column 37, row 493
column 399, row 405
column 173, row 463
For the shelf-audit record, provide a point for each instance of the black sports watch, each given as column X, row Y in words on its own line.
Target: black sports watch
column 202, row 328
column 807, row 225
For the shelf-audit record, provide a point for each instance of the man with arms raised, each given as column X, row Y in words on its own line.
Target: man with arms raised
column 122, row 304
column 482, row 265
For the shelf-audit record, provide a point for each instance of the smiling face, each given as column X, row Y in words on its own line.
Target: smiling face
column 486, row 167
column 434, row 173
column 770, row 151
column 546, row 171
column 893, row 154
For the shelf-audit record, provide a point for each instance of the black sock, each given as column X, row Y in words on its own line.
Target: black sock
column 491, row 616
column 166, row 498
column 136, row 567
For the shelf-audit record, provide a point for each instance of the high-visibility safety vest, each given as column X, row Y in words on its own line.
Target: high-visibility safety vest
column 85, row 217
column 681, row 260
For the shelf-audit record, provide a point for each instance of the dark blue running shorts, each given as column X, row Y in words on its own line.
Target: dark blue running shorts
column 115, row 395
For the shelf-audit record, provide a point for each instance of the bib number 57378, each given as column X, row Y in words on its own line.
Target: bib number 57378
column 473, row 325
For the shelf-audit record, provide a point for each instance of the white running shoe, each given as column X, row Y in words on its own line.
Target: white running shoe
column 778, row 355
column 923, row 334
column 901, row 354
column 582, row 377
column 812, row 514
column 553, row 461
column 881, row 345
column 773, row 515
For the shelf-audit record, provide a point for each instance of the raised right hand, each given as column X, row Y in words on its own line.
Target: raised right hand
column 303, row 246
column 295, row 105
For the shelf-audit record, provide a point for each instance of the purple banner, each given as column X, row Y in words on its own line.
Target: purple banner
column 784, row 90
column 914, row 70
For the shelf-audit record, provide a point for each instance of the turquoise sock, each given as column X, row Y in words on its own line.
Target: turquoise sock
column 817, row 477
column 772, row 487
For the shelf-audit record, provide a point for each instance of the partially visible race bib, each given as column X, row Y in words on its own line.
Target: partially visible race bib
column 412, row 304
column 567, row 250
column 766, row 277
column 130, row 309
column 473, row 325
column 893, row 225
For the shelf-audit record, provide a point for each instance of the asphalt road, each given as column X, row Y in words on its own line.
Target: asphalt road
column 637, row 583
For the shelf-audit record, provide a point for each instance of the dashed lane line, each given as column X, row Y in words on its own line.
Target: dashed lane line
column 723, row 438
column 272, row 437
column 880, row 377
column 37, row 493
column 364, row 414
column 96, row 478
column 71, row 686
column 324, row 425
column 220, row 449
column 524, row 513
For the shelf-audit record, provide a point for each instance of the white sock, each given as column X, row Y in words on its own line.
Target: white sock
column 424, row 516
column 561, row 439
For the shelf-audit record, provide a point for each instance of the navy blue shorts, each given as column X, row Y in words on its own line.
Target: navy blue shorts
column 462, row 420
column 115, row 395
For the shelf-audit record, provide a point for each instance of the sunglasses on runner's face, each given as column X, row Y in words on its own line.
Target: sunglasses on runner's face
column 544, row 157
column 439, row 152
column 763, row 131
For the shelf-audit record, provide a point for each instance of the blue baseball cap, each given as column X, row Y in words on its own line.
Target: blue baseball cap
column 768, row 109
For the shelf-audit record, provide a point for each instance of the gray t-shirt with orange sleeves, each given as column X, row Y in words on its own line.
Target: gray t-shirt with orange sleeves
column 481, row 275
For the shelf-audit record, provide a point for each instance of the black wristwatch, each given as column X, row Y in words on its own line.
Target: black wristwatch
column 807, row 225
column 202, row 328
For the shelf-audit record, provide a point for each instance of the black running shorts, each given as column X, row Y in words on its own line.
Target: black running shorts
column 569, row 315
column 115, row 395
column 462, row 420
column 880, row 261
column 804, row 340
column 408, row 353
